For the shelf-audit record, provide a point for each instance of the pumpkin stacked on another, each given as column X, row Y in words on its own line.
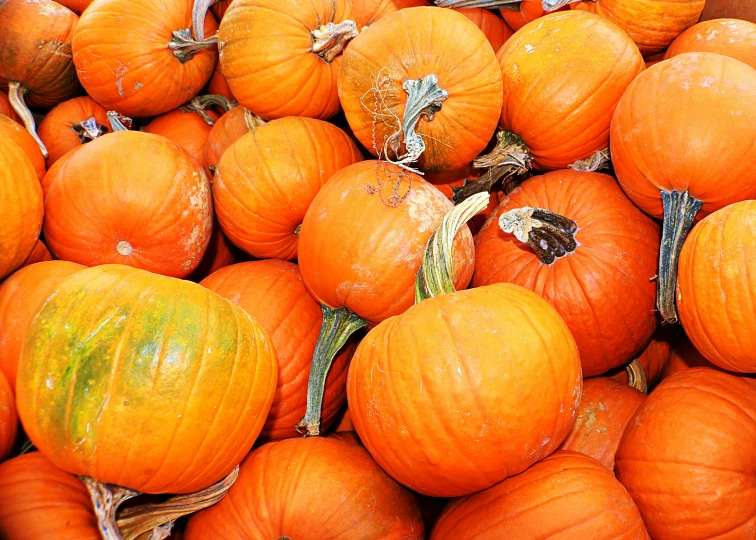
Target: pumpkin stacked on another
column 226, row 131
column 730, row 37
column 70, row 124
column 12, row 131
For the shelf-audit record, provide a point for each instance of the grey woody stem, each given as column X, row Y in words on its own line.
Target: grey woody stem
column 106, row 499
column 118, row 122
column 329, row 40
column 16, row 93
column 549, row 235
column 552, row 5
column 200, row 104
column 184, row 47
column 199, row 12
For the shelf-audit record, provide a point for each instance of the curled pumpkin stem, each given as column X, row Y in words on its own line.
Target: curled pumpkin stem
column 436, row 274
column 636, row 376
column 329, row 40
column 199, row 12
column 549, row 235
column 490, row 4
column 553, row 5
column 184, row 47
column 118, row 122
column 89, row 129
column 200, row 104
column 252, row 120
column 106, row 499
column 16, row 93
column 601, row 159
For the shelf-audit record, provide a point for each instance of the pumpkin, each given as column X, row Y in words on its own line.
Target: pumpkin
column 565, row 235
column 516, row 13
column 150, row 208
column 495, row 29
column 218, row 84
column 734, row 9
column 688, row 458
column 366, row 12
column 35, row 56
column 685, row 178
column 220, row 253
column 226, row 130
column 412, row 105
column 138, row 57
column 653, row 359
column 567, row 495
column 715, row 295
column 21, row 295
column 345, row 423
column 404, row 4
column 293, row 71
column 267, row 179
column 39, row 254
column 606, row 407
column 220, row 7
column 8, row 419
column 729, row 37
column 354, row 498
column 70, row 124
column 38, row 500
column 20, row 205
column 272, row 292
column 685, row 356
column 14, row 132
column 6, row 109
column 77, row 6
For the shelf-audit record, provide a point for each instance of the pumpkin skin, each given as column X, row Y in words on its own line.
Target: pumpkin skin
column 52, row 172
column 39, row 254
column 729, row 37
column 8, row 419
column 278, row 75
column 525, row 12
column 150, row 208
column 20, row 205
column 219, row 254
column 229, row 128
column 273, row 293
column 77, row 6
column 366, row 12
column 185, row 128
column 193, row 384
column 716, row 298
column 605, row 297
column 21, row 295
column 701, row 486
column 606, row 407
column 404, row 46
column 359, row 500
column 654, row 357
column 120, row 49
column 38, row 500
column 565, row 117
column 385, row 251
column 685, row 356
column 57, row 128
column 14, row 132
column 218, row 84
column 6, row 109
column 495, row 29
column 292, row 156
column 567, row 495
column 461, row 365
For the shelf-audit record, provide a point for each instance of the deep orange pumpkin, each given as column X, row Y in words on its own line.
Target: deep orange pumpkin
column 730, row 37
column 273, row 293
column 605, row 297
column 688, row 458
column 77, row 6
column 653, row 359
column 6, row 109
column 8, row 419
column 39, row 254
column 226, row 131
column 366, row 12
column 129, row 59
column 495, row 29
column 685, row 356
column 565, row 496
column 13, row 131
column 150, row 208
column 218, row 84
column 70, row 124
column 523, row 12
column 689, row 177
column 351, row 497
column 266, row 180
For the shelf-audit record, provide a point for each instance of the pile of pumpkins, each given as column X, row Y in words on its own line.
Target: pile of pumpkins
column 377, row 269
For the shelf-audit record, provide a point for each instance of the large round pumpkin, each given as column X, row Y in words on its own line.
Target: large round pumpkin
column 21, row 295
column 715, row 295
column 410, row 103
column 8, row 419
column 688, row 458
column 228, row 129
column 273, row 293
column 292, row 71
column 13, row 131
column 729, row 37
column 588, row 226
column 266, row 180
column 567, row 495
column 144, row 381
column 137, row 57
column 70, row 124
column 149, row 205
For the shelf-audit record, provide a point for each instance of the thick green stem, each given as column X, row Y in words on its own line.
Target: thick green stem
column 329, row 40
column 338, row 325
column 89, row 129
column 199, row 12
column 636, row 376
column 200, row 104
column 680, row 210
column 601, row 159
column 184, row 47
column 490, row 4
column 16, row 93
column 106, row 499
column 549, row 235
column 436, row 274
column 118, row 122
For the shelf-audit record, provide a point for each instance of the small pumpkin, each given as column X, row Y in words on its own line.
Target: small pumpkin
column 496, row 30
column 730, row 37
column 6, row 109
column 567, row 495
column 77, row 6
column 8, row 419
column 70, row 124
column 39, row 254
column 653, row 359
column 266, row 180
column 366, row 12
column 226, row 131
column 218, row 84
column 14, row 132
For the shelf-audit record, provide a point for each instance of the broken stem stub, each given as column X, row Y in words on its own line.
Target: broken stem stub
column 680, row 210
column 329, row 40
column 549, row 235
column 490, row 4
column 16, row 93
column 118, row 122
column 338, row 325
column 636, row 376
column 601, row 159
column 200, row 104
column 106, row 499
column 88, row 130
column 184, row 46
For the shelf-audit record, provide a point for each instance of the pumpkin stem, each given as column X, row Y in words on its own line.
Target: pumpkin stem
column 329, row 40
column 16, row 93
column 553, row 5
column 679, row 211
column 252, row 120
column 200, row 104
column 600, row 159
column 549, row 235
column 119, row 122
column 184, row 47
column 106, row 498
column 338, row 325
column 26, row 447
column 513, row 5
column 199, row 12
column 436, row 274
column 89, row 129
column 159, row 518
column 636, row 376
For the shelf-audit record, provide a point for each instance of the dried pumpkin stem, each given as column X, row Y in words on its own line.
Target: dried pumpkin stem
column 549, row 235
column 436, row 274
column 200, row 104
column 88, row 130
column 252, row 120
column 118, row 122
column 329, row 40
column 601, row 159
column 106, row 499
column 199, row 12
column 338, row 325
column 490, row 4
column 184, row 47
column 636, row 376
column 680, row 210
column 552, row 5
column 16, row 93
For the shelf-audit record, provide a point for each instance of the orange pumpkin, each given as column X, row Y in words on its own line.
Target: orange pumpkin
column 567, row 495
column 39, row 254
column 290, row 156
column 354, row 498
column 413, row 106
column 8, row 419
column 273, row 293
column 70, row 124
column 293, row 71
column 151, row 207
column 345, row 424
column 685, row 356
column 14, row 132
column 219, row 254
column 565, row 235
column 226, row 130
column 219, row 8
column 518, row 14
column 495, row 29
column 404, row 4
column 20, row 205
column 729, row 37
column 688, row 458
column 653, row 359
column 218, row 84
column 6, row 109
column 136, row 56
column 366, row 12
column 77, row 6
column 689, row 177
